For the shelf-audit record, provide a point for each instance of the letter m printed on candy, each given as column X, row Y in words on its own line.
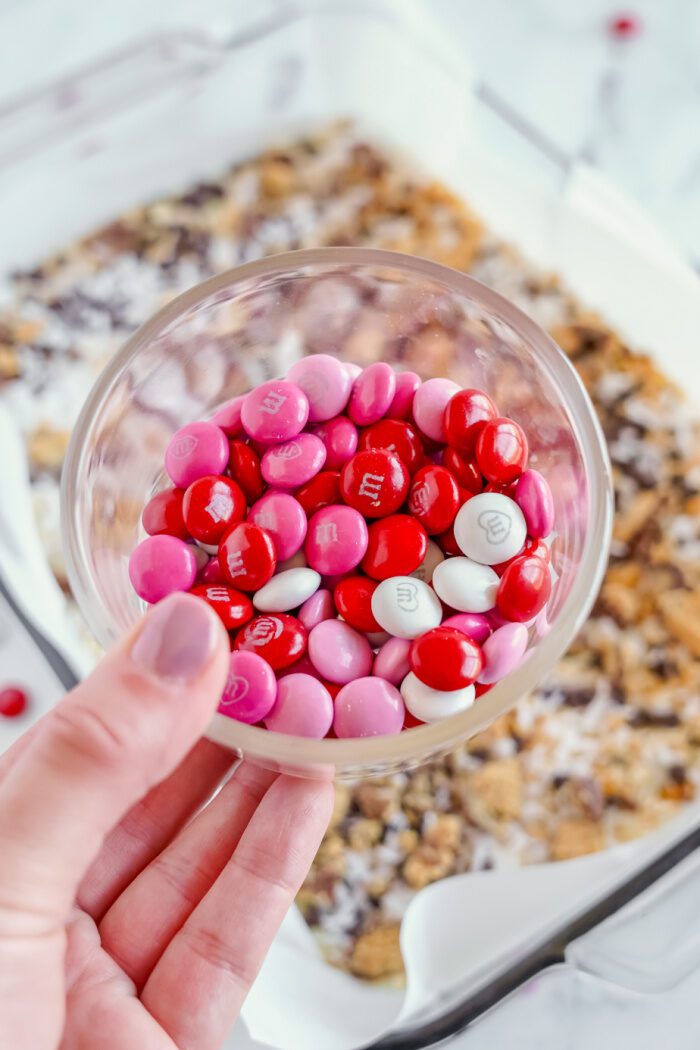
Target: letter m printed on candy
column 272, row 403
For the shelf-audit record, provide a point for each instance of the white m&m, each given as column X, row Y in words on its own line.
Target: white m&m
column 431, row 705
column 466, row 585
column 287, row 590
column 490, row 528
column 406, row 607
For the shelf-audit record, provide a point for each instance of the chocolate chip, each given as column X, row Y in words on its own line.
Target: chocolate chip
column 578, row 697
column 481, row 754
column 619, row 802
column 664, row 666
column 654, row 720
column 678, row 774
column 618, row 693
column 559, row 779
column 201, row 194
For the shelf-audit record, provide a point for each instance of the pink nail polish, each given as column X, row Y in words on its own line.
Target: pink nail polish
column 177, row 639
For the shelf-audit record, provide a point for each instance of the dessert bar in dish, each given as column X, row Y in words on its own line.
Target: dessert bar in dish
column 608, row 746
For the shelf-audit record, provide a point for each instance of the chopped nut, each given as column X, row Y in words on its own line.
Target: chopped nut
column 428, row 864
column 47, row 448
column 377, row 953
column 445, row 831
column 576, row 838
column 493, row 794
column 377, row 800
column 364, row 833
column 680, row 611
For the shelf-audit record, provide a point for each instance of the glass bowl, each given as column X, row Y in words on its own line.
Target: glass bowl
column 250, row 324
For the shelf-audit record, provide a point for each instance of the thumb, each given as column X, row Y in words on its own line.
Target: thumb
column 110, row 740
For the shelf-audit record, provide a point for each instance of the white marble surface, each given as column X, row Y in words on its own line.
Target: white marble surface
column 630, row 107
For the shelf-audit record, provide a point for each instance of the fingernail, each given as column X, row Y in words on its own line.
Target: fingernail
column 178, row 638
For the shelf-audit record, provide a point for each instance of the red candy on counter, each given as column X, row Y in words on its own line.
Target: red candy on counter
column 14, row 701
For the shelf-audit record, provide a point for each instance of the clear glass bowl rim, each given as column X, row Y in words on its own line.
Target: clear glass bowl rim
column 280, row 750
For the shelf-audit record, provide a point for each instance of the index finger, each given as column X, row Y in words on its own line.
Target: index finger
column 198, row 986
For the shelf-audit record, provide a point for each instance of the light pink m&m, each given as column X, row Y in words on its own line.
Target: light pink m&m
column 161, row 565
column 275, row 411
column 503, row 652
column 283, row 517
column 368, row 707
column 372, row 393
column 391, row 662
column 195, row 450
column 303, row 707
column 534, row 497
column 250, row 690
column 429, row 405
column 292, row 463
column 326, row 383
column 319, row 607
column 336, row 540
column 340, row 437
column 339, row 652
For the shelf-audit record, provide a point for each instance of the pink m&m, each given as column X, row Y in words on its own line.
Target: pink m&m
column 339, row 652
column 250, row 690
column 319, row 607
column 429, row 404
column 283, row 517
column 160, row 565
column 392, row 662
column 476, row 626
column 294, row 462
column 372, row 393
column 228, row 417
column 534, row 497
column 503, row 652
column 275, row 411
column 326, row 383
column 402, row 402
column 368, row 707
column 303, row 707
column 340, row 437
column 194, row 451
column 336, row 541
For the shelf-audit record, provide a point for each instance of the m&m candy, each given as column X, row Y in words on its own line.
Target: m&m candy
column 377, row 547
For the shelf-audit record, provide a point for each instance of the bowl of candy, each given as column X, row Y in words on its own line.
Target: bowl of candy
column 385, row 478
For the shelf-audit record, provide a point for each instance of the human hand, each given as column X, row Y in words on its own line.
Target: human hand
column 130, row 917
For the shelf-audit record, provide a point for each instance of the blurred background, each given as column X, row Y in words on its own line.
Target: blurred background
column 617, row 85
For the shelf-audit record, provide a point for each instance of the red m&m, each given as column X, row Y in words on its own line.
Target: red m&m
column 445, row 658
column 374, row 482
column 211, row 505
column 247, row 556
column 277, row 637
